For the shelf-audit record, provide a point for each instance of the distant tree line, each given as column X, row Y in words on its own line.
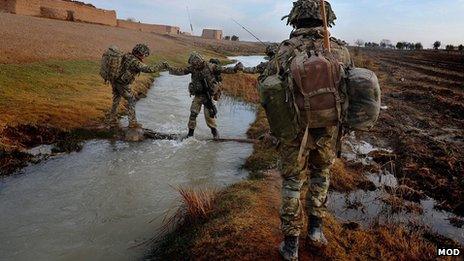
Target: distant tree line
column 386, row 44
column 233, row 38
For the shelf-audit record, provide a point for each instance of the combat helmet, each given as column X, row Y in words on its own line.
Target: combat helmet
column 196, row 59
column 271, row 50
column 141, row 49
column 309, row 11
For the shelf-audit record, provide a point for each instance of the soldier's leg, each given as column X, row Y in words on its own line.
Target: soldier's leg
column 194, row 111
column 210, row 121
column 115, row 106
column 291, row 210
column 126, row 93
column 320, row 162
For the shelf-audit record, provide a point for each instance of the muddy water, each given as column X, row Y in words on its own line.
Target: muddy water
column 366, row 207
column 95, row 204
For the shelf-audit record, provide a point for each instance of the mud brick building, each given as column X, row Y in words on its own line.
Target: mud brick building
column 212, row 34
column 60, row 9
column 76, row 11
column 151, row 28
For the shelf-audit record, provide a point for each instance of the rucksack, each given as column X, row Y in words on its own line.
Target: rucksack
column 317, row 77
column 363, row 99
column 308, row 98
column 110, row 68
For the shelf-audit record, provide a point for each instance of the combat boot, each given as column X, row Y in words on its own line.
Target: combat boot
column 316, row 235
column 215, row 133
column 289, row 248
column 190, row 133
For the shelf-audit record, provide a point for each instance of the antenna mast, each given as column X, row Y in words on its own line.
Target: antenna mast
column 190, row 20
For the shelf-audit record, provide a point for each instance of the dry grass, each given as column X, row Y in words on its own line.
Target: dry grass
column 242, row 86
column 244, row 225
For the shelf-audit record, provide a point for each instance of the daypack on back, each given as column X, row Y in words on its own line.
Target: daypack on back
column 110, row 68
column 363, row 99
column 317, row 77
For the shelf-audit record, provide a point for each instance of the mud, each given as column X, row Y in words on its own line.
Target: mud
column 423, row 121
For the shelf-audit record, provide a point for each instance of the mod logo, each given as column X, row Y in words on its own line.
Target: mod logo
column 449, row 252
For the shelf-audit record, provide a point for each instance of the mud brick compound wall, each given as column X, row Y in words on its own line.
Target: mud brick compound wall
column 212, row 34
column 151, row 28
column 7, row 6
column 59, row 9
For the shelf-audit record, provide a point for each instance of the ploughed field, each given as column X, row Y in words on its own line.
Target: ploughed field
column 423, row 121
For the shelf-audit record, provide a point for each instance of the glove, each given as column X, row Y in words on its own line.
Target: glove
column 166, row 65
column 239, row 67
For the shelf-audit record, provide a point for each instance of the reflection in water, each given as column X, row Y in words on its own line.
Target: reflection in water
column 93, row 205
column 366, row 207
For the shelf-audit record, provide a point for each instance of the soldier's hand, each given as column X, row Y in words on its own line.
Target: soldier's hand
column 166, row 65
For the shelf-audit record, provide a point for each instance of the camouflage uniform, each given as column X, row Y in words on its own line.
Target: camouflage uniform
column 130, row 68
column 261, row 68
column 209, row 73
column 317, row 160
column 319, row 156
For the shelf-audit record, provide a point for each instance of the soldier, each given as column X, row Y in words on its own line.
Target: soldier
column 131, row 66
column 260, row 68
column 204, row 87
column 308, row 34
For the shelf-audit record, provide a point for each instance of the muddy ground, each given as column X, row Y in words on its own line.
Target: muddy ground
column 423, row 121
column 421, row 124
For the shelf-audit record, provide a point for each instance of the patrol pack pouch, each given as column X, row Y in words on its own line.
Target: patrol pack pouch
column 278, row 104
column 363, row 99
column 110, row 68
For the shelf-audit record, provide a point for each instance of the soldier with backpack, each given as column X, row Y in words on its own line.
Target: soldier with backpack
column 260, row 68
column 308, row 96
column 205, row 88
column 120, row 71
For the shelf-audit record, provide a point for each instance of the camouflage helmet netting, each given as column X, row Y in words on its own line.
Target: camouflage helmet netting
column 195, row 58
column 271, row 49
column 309, row 9
column 141, row 49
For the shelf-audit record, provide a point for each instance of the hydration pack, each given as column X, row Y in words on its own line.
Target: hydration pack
column 110, row 68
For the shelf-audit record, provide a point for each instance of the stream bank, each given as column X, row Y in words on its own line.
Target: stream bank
column 110, row 196
column 244, row 221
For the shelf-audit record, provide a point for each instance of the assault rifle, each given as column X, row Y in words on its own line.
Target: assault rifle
column 209, row 104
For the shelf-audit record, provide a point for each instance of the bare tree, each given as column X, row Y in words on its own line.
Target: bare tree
column 359, row 42
column 418, row 46
column 385, row 43
column 400, row 45
column 450, row 47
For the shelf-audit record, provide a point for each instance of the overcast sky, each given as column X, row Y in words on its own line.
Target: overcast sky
column 371, row 20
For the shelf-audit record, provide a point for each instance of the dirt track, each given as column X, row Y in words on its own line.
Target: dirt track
column 424, row 121
column 28, row 39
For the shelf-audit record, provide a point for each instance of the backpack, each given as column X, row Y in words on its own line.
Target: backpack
column 110, row 68
column 363, row 99
column 317, row 78
column 308, row 98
